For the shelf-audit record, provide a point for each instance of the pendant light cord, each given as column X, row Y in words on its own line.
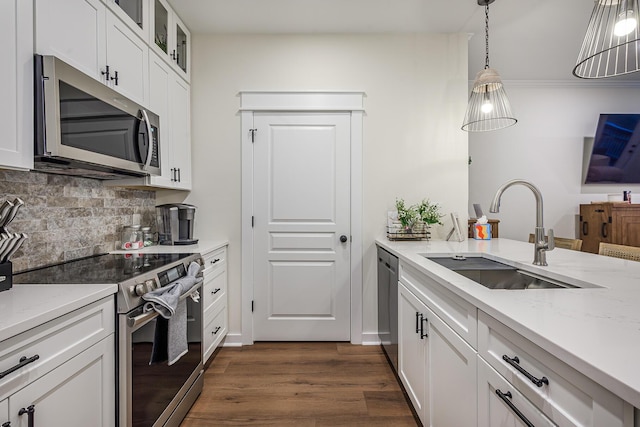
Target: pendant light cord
column 486, row 35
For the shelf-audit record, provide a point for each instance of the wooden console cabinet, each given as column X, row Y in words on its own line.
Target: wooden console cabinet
column 616, row 222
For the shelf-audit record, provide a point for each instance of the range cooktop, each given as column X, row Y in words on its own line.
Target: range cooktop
column 104, row 268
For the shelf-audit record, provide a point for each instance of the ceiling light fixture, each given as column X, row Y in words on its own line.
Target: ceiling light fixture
column 488, row 107
column 610, row 46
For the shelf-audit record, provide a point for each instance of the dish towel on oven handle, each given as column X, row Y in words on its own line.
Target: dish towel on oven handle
column 170, row 338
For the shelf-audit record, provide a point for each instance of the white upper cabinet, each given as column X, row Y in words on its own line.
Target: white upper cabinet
column 170, row 98
column 179, row 101
column 93, row 39
column 128, row 61
column 16, row 83
column 170, row 38
column 74, row 31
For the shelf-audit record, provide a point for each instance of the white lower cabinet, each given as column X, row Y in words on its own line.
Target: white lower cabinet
column 214, row 298
column 61, row 373
column 437, row 367
column 79, row 393
column 4, row 412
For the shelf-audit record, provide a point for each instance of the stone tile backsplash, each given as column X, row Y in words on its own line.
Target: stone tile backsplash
column 68, row 217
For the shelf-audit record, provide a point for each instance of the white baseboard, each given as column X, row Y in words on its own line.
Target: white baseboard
column 370, row 338
column 235, row 340
column 232, row 340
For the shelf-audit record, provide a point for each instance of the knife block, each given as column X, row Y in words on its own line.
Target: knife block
column 6, row 276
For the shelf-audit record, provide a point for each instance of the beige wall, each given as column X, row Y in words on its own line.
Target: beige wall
column 546, row 148
column 415, row 89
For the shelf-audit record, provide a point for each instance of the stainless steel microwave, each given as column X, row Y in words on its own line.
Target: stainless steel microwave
column 85, row 128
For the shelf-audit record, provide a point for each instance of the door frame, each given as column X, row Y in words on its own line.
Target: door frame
column 297, row 102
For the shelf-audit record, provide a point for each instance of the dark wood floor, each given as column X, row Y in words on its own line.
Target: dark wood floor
column 300, row 384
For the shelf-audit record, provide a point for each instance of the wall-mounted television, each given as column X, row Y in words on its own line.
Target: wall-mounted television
column 613, row 155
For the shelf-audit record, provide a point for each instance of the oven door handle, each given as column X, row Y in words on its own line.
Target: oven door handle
column 134, row 322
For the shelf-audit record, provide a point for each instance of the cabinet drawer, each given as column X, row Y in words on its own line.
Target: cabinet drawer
column 563, row 394
column 214, row 331
column 214, row 259
column 214, row 288
column 458, row 314
column 493, row 410
column 54, row 343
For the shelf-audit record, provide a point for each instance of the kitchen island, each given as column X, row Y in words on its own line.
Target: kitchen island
column 594, row 329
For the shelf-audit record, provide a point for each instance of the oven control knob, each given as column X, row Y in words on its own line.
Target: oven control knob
column 140, row 289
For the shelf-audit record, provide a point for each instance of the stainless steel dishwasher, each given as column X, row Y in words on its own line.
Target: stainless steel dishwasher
column 388, row 305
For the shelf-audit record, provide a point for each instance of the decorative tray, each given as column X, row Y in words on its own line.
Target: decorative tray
column 419, row 231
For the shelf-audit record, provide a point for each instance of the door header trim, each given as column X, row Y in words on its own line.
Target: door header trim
column 301, row 101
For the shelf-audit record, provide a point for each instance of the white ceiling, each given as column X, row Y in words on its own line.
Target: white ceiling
column 529, row 39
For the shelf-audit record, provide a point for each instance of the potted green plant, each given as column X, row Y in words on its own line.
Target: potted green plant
column 407, row 215
column 429, row 212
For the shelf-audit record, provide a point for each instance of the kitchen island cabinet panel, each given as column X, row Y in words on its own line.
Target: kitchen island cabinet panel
column 16, row 77
column 493, row 410
column 437, row 367
column 460, row 315
column 562, row 394
column 584, row 341
column 412, row 350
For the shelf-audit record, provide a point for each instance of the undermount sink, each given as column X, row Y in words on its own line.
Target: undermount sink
column 496, row 275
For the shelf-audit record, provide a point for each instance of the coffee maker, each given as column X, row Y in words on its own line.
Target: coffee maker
column 175, row 224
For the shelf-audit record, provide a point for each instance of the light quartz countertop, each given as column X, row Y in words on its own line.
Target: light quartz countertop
column 26, row 306
column 595, row 329
column 202, row 247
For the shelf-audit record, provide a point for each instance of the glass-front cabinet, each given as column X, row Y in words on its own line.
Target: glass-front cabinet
column 160, row 26
column 182, row 42
column 171, row 39
column 134, row 14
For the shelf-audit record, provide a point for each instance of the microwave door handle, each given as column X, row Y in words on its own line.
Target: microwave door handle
column 145, row 118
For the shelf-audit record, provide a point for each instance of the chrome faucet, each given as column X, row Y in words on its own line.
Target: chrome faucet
column 540, row 246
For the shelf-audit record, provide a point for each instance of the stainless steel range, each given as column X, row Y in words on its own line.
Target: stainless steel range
column 149, row 393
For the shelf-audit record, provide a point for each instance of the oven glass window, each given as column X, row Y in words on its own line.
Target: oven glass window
column 155, row 385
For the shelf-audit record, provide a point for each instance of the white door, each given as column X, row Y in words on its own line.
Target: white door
column 301, row 201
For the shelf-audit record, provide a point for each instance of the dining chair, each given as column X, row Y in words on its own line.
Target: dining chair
column 619, row 251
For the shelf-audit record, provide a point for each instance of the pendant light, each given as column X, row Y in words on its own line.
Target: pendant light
column 610, row 46
column 488, row 107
